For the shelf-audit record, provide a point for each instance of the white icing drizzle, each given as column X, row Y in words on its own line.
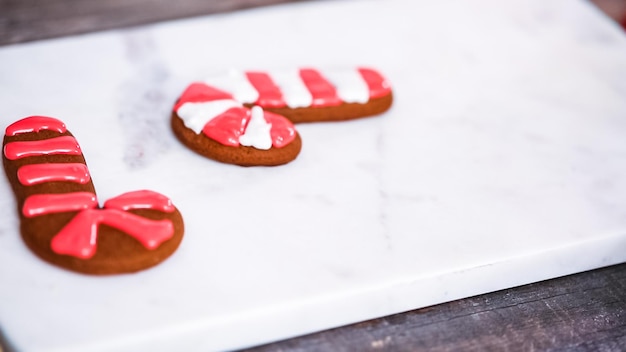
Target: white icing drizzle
column 196, row 115
column 236, row 83
column 350, row 85
column 295, row 92
column 257, row 132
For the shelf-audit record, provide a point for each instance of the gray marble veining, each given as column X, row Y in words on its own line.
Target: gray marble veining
column 502, row 162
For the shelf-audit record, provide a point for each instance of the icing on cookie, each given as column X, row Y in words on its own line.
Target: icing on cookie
column 378, row 85
column 200, row 92
column 33, row 174
column 282, row 132
column 257, row 132
column 215, row 107
column 228, row 127
column 225, row 120
column 298, row 88
column 295, row 92
column 141, row 200
column 43, row 204
column 60, row 145
column 351, row 87
column 80, row 236
column 270, row 95
column 322, row 91
column 197, row 115
column 35, row 124
column 237, row 84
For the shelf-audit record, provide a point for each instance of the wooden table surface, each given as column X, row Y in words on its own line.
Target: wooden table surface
column 582, row 312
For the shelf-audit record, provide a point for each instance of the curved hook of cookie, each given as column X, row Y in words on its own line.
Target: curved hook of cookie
column 212, row 123
column 61, row 220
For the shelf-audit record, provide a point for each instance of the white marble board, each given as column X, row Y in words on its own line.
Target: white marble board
column 502, row 162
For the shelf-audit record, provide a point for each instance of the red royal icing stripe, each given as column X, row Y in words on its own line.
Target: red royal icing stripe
column 200, row 92
column 378, row 85
column 79, row 237
column 270, row 95
column 283, row 132
column 323, row 92
column 141, row 200
column 35, row 124
column 228, row 127
column 42, row 204
column 33, row 174
column 66, row 145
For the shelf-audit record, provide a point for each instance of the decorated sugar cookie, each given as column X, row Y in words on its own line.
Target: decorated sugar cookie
column 217, row 117
column 61, row 219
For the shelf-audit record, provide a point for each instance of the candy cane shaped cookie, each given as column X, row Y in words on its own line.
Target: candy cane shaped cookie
column 61, row 220
column 212, row 116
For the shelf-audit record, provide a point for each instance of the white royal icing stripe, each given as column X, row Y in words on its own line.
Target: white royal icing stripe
column 350, row 85
column 196, row 115
column 257, row 132
column 236, row 83
column 295, row 92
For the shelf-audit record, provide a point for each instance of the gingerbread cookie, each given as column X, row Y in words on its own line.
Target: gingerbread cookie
column 61, row 221
column 233, row 117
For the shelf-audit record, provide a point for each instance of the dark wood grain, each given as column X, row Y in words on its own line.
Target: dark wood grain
column 582, row 312
column 28, row 20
